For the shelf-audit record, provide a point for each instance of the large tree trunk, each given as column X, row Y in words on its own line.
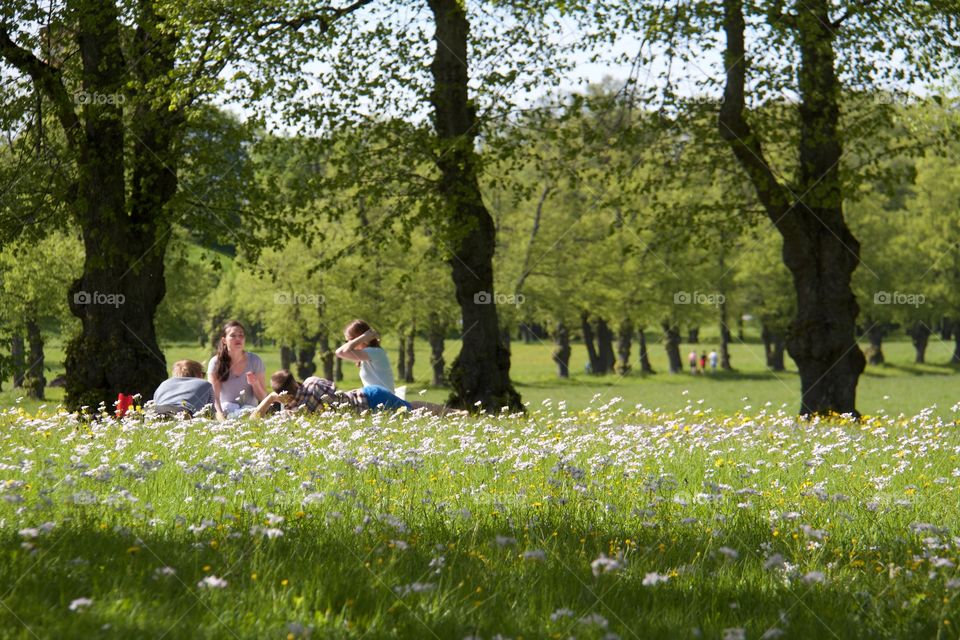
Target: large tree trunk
column 34, row 381
column 818, row 248
column 338, row 370
column 593, row 360
column 945, row 328
column 773, row 347
column 605, row 354
column 693, row 335
column 671, row 343
column 481, row 372
column 435, row 336
column 306, row 367
column 401, row 355
column 920, row 336
column 408, row 368
column 327, row 356
column 644, row 355
column 287, row 357
column 725, row 335
column 561, row 350
column 122, row 283
column 18, row 359
column 875, row 333
column 956, row 343
column 624, row 338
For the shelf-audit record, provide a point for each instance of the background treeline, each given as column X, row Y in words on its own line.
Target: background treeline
column 618, row 262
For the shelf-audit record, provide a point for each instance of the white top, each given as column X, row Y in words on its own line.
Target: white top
column 376, row 370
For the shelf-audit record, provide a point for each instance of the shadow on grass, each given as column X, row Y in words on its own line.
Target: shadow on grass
column 351, row 584
column 927, row 369
column 615, row 380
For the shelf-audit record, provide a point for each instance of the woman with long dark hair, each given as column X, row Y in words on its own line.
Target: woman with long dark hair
column 238, row 376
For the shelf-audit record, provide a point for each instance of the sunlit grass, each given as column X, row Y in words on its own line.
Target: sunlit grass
column 560, row 523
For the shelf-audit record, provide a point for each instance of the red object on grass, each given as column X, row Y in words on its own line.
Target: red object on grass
column 124, row 402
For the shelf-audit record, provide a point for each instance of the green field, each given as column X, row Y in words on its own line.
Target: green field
column 893, row 388
column 607, row 523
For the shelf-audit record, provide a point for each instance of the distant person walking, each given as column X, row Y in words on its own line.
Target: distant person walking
column 703, row 362
column 713, row 361
column 692, row 360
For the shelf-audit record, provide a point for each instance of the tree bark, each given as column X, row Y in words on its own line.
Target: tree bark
column 561, row 350
column 773, row 348
column 605, row 353
column 956, row 343
column 338, row 370
column 401, row 355
column 435, row 335
column 408, row 369
column 18, row 359
column 306, row 367
column 588, row 341
column 124, row 238
column 777, row 351
column 645, row 366
column 481, row 372
column 624, row 338
column 671, row 342
column 34, row 381
column 725, row 335
column 327, row 356
column 287, row 357
column 818, row 247
column 693, row 335
column 875, row 333
column 920, row 336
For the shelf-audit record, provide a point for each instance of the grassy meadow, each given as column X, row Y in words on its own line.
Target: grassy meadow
column 893, row 388
column 621, row 507
column 609, row 522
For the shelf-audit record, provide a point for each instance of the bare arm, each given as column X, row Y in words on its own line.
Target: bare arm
column 269, row 400
column 215, row 381
column 349, row 350
column 259, row 384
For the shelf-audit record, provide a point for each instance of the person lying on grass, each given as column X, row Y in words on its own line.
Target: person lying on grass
column 314, row 393
column 186, row 392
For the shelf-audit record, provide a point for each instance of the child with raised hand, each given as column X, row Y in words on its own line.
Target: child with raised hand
column 363, row 347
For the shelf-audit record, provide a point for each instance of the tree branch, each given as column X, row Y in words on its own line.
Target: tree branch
column 46, row 78
column 863, row 4
column 735, row 129
column 527, row 268
column 325, row 16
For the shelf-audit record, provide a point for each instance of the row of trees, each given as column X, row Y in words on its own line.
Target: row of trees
column 569, row 263
column 104, row 94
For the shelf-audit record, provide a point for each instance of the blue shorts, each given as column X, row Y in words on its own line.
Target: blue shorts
column 377, row 396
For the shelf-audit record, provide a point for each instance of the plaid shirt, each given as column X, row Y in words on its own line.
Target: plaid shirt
column 310, row 392
column 313, row 389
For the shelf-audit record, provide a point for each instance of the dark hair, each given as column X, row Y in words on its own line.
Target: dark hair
column 223, row 357
column 283, row 380
column 358, row 328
